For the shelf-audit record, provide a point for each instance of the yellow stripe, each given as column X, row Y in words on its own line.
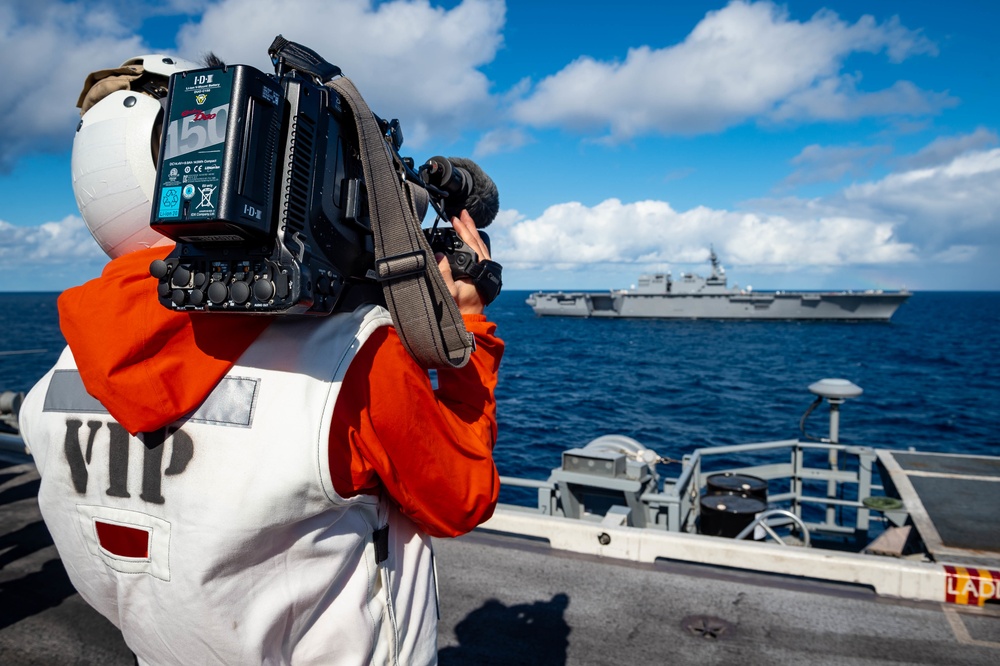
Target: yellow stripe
column 962, row 586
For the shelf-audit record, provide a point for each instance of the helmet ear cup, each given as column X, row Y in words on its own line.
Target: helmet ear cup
column 114, row 171
column 115, row 151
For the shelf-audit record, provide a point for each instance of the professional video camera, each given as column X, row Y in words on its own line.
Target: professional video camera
column 260, row 183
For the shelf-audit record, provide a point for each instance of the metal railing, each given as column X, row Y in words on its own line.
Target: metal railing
column 821, row 484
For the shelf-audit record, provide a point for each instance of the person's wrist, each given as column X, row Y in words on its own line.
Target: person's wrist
column 472, row 309
column 468, row 299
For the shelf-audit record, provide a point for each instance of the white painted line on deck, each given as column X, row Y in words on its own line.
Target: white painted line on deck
column 961, row 632
column 946, row 475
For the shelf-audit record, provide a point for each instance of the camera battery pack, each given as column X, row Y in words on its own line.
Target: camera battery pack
column 218, row 155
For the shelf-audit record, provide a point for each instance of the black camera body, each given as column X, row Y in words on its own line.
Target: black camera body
column 259, row 183
column 460, row 256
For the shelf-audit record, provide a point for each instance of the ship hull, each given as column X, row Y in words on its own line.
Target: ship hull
column 843, row 306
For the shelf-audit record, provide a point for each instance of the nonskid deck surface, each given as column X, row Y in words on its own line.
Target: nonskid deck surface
column 508, row 601
column 513, row 601
column 953, row 501
column 42, row 619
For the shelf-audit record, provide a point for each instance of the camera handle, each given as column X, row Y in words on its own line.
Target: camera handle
column 287, row 55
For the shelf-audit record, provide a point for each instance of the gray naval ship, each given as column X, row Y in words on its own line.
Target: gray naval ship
column 783, row 552
column 658, row 296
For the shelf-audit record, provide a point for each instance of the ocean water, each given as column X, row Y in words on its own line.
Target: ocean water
column 931, row 378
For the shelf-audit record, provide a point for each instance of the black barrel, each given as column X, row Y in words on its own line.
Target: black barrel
column 740, row 484
column 726, row 514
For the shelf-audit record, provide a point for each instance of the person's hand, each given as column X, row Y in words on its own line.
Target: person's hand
column 463, row 290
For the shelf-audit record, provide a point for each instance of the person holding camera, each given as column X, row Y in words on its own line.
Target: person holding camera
column 236, row 489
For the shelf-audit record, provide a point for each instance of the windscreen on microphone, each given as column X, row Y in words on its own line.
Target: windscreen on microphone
column 483, row 202
column 466, row 186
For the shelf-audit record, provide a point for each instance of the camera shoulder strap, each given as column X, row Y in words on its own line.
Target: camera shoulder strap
column 426, row 316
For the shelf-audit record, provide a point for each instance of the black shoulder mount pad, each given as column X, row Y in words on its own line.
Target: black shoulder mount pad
column 486, row 276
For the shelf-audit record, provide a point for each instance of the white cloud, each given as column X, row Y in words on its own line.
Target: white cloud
column 949, row 212
column 831, row 163
column 648, row 233
column 838, row 100
column 956, row 254
column 745, row 61
column 49, row 244
column 409, row 60
column 49, row 48
column 944, row 148
column 501, row 140
column 49, row 256
column 957, row 202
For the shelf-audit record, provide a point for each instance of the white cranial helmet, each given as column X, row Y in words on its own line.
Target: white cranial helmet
column 114, row 152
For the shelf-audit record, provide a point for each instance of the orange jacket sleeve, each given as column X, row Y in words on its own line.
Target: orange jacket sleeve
column 432, row 451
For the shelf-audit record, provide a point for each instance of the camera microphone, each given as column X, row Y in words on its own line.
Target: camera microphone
column 466, row 185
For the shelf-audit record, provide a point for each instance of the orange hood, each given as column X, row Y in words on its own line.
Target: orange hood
column 146, row 364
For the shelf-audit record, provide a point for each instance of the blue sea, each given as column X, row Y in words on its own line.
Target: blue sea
column 931, row 378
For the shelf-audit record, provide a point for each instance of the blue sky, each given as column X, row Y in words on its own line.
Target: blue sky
column 815, row 145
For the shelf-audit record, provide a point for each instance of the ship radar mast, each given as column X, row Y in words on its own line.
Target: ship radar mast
column 718, row 276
